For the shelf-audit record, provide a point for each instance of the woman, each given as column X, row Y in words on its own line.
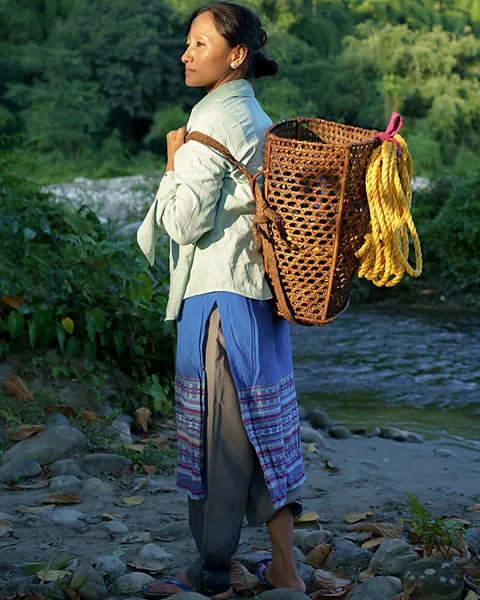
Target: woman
column 239, row 450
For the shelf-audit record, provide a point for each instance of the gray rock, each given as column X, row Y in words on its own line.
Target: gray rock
column 48, row 446
column 120, row 431
column 124, row 419
column 105, row 411
column 30, row 585
column 93, row 588
column 302, row 413
column 306, row 573
column 309, row 434
column 310, row 541
column 110, row 567
column 115, row 527
column 67, row 517
column 340, row 432
column 379, row 588
column 283, row 594
column 10, row 518
column 99, row 464
column 349, row 558
column 14, row 584
column 436, row 579
column 414, row 437
column 444, row 453
column 154, row 552
column 473, row 539
column 57, row 420
column 64, row 482
column 375, row 432
column 393, row 557
column 320, row 420
column 250, row 560
column 173, row 531
column 67, row 466
column 132, row 582
column 393, row 433
column 19, row 468
column 97, row 486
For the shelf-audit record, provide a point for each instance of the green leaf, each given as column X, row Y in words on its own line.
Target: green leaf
column 90, row 350
column 62, row 338
column 118, row 552
column 31, row 568
column 73, row 347
column 46, row 328
column 29, row 234
column 118, row 339
column 91, row 331
column 151, row 322
column 32, row 334
column 56, row 371
column 68, row 325
column 96, row 316
column 16, row 322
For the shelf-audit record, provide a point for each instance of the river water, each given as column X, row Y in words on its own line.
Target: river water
column 411, row 370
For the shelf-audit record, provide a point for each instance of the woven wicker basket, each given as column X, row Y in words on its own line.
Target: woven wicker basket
column 312, row 215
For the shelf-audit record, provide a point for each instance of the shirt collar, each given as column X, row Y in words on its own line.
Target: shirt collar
column 231, row 89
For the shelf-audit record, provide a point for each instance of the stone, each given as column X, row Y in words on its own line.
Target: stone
column 105, row 411
column 123, row 419
column 173, row 532
column 120, row 431
column 64, row 482
column 67, row 517
column 302, row 413
column 349, row 558
column 436, row 579
column 100, row 464
column 310, row 541
column 415, row 437
column 340, row 432
column 320, row 420
column 48, row 446
column 57, row 420
column 375, row 432
column 132, row 582
column 393, row 433
column 97, row 486
column 283, row 594
column 67, row 466
column 115, row 527
column 31, row 585
column 110, row 567
column 444, row 453
column 154, row 552
column 473, row 539
column 393, row 557
column 379, row 588
column 93, row 586
column 309, row 434
column 19, row 468
column 10, row 518
column 250, row 560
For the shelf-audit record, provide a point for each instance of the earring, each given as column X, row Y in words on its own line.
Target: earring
column 234, row 65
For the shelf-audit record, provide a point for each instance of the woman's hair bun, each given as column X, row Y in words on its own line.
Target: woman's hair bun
column 263, row 66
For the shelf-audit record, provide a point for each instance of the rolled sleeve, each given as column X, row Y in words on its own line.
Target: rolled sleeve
column 192, row 192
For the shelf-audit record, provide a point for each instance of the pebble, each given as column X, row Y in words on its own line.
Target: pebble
column 120, row 431
column 444, row 453
column 349, row 558
column 393, row 433
column 339, row 432
column 64, row 482
column 375, row 432
column 57, row 420
column 313, row 538
column 309, row 434
column 98, row 486
column 100, row 464
column 132, row 582
column 93, row 586
column 393, row 557
column 105, row 411
column 67, row 517
column 415, row 437
column 48, row 446
column 379, row 588
column 115, row 527
column 110, row 567
column 436, row 579
column 67, row 466
column 154, row 552
column 173, row 531
column 473, row 540
column 320, row 420
column 19, row 468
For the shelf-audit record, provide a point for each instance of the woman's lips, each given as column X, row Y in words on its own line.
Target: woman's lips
column 189, row 71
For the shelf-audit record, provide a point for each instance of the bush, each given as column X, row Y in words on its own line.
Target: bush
column 69, row 281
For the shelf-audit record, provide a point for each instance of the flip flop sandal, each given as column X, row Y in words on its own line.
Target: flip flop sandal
column 146, row 593
column 260, row 573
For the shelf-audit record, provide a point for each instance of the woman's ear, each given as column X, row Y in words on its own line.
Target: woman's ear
column 238, row 57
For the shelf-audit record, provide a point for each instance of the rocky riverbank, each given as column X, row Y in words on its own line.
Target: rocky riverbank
column 105, row 526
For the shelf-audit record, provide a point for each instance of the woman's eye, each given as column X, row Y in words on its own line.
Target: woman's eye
column 200, row 44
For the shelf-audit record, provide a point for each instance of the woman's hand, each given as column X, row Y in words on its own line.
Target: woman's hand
column 175, row 139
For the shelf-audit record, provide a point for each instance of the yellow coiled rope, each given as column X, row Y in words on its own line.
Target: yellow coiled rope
column 385, row 251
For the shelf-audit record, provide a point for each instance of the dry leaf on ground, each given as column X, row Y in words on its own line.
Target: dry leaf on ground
column 34, row 509
column 13, row 301
column 71, row 594
column 319, row 555
column 471, row 595
column 24, row 432
column 160, row 441
column 471, row 568
column 111, row 517
column 331, row 468
column 68, row 411
column 37, row 485
column 308, row 517
column 70, row 498
column 475, row 508
column 150, row 469
column 375, row 542
column 312, row 448
column 331, row 585
column 90, row 416
column 365, row 576
column 5, row 528
column 353, row 517
column 153, row 567
column 136, row 538
column 408, row 589
column 387, row 530
column 242, row 579
column 142, row 416
column 133, row 500
column 16, row 386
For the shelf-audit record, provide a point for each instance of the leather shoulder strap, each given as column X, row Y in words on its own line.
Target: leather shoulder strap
column 206, row 140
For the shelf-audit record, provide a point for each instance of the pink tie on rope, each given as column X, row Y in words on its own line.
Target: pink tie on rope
column 393, row 127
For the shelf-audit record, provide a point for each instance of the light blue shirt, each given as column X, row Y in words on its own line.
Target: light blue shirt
column 206, row 206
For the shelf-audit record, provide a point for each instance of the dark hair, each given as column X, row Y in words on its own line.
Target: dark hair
column 241, row 27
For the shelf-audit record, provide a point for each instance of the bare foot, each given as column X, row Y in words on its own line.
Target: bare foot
column 160, row 587
column 283, row 579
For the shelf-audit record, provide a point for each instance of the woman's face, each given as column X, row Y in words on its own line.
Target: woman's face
column 208, row 57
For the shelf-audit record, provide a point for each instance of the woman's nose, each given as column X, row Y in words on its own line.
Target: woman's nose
column 187, row 57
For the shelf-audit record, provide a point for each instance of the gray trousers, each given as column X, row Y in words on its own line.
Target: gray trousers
column 235, row 485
